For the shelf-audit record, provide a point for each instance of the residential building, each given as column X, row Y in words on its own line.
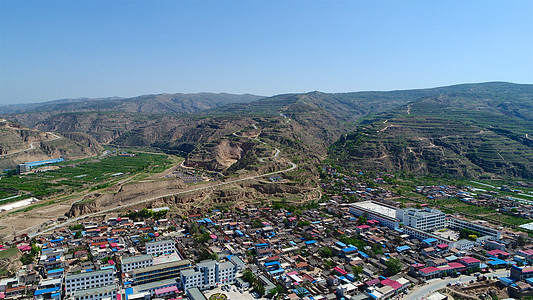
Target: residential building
column 136, row 262
column 209, row 274
column 160, row 247
column 97, row 293
column 88, row 280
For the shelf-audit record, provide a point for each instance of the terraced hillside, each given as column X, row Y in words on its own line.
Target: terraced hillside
column 472, row 132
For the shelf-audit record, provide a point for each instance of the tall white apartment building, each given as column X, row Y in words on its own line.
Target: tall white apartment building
column 136, row 262
column 209, row 274
column 160, row 247
column 88, row 280
column 426, row 219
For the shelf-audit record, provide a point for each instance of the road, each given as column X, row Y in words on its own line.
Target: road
column 292, row 167
column 436, row 284
column 32, row 145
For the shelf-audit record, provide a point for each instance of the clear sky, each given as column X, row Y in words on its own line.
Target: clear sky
column 68, row 49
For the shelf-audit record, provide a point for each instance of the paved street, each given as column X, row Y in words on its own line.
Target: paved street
column 436, row 284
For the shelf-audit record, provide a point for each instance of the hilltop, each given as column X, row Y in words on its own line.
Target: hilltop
column 468, row 130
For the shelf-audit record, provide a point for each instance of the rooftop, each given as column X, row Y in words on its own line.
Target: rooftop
column 377, row 208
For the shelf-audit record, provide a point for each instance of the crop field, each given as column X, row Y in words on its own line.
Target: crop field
column 81, row 174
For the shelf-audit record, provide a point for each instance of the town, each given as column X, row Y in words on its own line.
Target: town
column 336, row 248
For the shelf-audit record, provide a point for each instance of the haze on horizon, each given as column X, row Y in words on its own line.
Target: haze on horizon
column 57, row 49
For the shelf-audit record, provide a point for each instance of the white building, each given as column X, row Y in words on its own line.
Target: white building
column 458, row 224
column 160, row 247
column 209, row 274
column 98, row 293
column 136, row 262
column 426, row 219
column 385, row 214
column 88, row 280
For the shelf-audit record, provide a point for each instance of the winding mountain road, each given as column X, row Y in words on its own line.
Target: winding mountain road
column 77, row 219
column 32, row 145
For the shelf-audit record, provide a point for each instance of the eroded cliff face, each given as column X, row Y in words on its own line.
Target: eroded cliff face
column 231, row 195
column 19, row 144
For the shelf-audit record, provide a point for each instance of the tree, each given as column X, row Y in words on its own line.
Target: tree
column 277, row 290
column 393, row 266
column 325, row 252
column 248, row 276
column 303, row 223
column 362, row 219
column 329, row 264
column 26, row 259
column 258, row 287
column 472, row 237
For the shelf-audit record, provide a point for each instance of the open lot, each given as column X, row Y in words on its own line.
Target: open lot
column 232, row 295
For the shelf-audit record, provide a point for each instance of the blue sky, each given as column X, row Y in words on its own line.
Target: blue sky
column 65, row 49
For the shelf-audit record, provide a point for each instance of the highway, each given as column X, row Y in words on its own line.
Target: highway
column 433, row 285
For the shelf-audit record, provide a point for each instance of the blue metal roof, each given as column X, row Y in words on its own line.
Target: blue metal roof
column 429, row 240
column 46, row 291
column 403, row 248
column 363, row 254
column 55, row 271
column 341, row 244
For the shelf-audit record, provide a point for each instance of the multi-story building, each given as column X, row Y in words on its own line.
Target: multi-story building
column 88, row 280
column 159, row 272
column 385, row 214
column 160, row 247
column 97, row 293
column 208, row 274
column 458, row 224
column 136, row 262
column 521, row 273
column 426, row 219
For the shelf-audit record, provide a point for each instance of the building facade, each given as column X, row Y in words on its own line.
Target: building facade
column 209, row 274
column 458, row 224
column 88, row 280
column 160, row 247
column 426, row 219
column 136, row 262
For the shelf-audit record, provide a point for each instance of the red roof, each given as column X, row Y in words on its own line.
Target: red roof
column 363, row 227
column 341, row 271
column 469, row 260
column 498, row 252
column 442, row 246
column 456, row 265
column 429, row 270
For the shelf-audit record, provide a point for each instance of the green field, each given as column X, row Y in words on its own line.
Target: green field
column 81, row 174
column 8, row 253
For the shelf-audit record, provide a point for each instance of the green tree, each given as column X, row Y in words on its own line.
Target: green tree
column 393, row 266
column 258, row 287
column 362, row 219
column 325, row 252
column 248, row 276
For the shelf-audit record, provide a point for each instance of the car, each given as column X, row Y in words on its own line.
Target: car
column 449, row 284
